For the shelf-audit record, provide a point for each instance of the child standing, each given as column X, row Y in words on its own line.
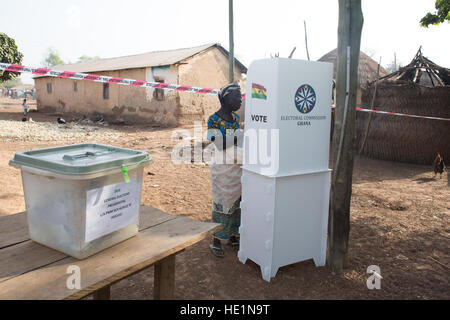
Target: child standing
column 25, row 107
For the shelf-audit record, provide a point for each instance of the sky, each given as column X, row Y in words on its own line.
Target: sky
column 114, row 28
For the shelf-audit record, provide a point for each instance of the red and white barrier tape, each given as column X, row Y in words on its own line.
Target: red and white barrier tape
column 401, row 114
column 105, row 79
column 154, row 85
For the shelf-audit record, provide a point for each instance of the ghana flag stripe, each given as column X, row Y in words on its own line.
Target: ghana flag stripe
column 254, row 85
column 258, row 91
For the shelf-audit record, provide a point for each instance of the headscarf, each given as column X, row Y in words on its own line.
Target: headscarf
column 226, row 90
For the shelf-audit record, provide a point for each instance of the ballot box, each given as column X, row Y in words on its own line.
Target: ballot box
column 82, row 198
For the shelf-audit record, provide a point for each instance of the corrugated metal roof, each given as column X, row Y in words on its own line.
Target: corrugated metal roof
column 150, row 59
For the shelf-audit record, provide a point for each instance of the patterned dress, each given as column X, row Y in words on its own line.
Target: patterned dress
column 226, row 182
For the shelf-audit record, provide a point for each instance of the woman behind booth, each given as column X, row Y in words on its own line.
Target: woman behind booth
column 225, row 169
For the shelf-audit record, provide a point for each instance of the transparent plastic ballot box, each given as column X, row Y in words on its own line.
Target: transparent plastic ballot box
column 82, row 198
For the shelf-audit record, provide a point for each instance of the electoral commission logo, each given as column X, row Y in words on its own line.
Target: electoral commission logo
column 305, row 98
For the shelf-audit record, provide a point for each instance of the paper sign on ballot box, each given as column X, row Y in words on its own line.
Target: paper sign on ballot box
column 110, row 208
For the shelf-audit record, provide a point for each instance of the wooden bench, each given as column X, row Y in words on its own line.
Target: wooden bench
column 29, row 270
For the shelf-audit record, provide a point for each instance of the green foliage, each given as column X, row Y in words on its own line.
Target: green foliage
column 442, row 14
column 85, row 58
column 52, row 58
column 9, row 54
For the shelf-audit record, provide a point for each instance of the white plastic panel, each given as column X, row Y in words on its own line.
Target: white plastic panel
column 301, row 218
column 257, row 207
column 303, row 136
column 285, row 208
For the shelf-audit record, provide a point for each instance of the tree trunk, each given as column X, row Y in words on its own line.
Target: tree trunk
column 343, row 149
column 231, row 36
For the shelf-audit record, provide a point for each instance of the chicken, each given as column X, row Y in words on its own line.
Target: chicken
column 438, row 165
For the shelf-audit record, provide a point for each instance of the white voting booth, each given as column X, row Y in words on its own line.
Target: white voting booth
column 285, row 176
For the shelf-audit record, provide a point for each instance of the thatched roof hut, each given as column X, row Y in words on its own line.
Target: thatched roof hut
column 367, row 72
column 367, row 68
column 422, row 71
column 420, row 88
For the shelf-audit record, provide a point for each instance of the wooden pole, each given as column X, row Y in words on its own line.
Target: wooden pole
column 164, row 279
column 292, row 52
column 395, row 61
column 343, row 149
column 372, row 105
column 103, row 293
column 306, row 40
column 231, row 68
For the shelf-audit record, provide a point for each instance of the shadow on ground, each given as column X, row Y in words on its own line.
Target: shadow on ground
column 406, row 267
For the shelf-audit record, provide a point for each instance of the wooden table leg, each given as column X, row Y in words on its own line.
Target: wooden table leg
column 164, row 280
column 103, row 293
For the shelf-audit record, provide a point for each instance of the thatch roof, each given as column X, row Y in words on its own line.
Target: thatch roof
column 422, row 71
column 421, row 88
column 150, row 59
column 367, row 68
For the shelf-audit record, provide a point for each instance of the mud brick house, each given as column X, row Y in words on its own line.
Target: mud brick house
column 202, row 66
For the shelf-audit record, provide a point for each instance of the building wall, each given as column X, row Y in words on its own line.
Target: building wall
column 166, row 110
column 208, row 69
column 125, row 103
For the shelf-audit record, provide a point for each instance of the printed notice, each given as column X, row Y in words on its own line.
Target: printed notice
column 111, row 208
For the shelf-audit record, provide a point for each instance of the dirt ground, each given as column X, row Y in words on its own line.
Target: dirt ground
column 399, row 220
